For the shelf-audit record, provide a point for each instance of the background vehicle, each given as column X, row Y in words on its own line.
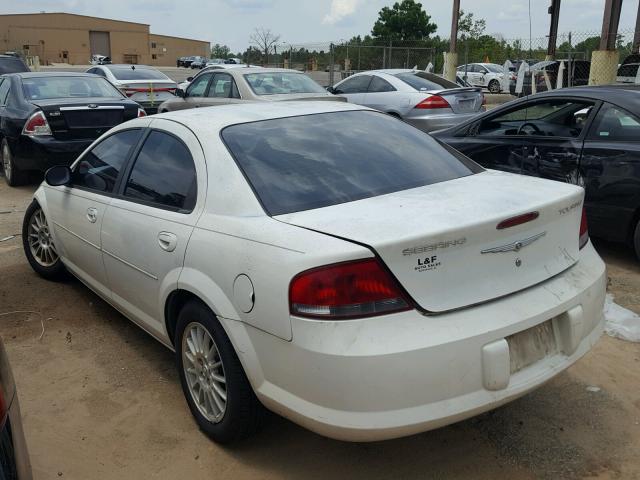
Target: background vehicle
column 487, row 75
column 217, row 87
column 208, row 68
column 576, row 74
column 589, row 136
column 198, row 62
column 215, row 61
column 425, row 100
column 12, row 64
column 186, row 62
column 141, row 83
column 100, row 60
column 49, row 118
column 328, row 278
column 14, row 457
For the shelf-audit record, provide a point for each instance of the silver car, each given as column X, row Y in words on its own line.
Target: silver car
column 423, row 99
column 246, row 84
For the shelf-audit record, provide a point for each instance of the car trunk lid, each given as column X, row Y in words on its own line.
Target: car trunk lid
column 85, row 118
column 462, row 100
column 442, row 242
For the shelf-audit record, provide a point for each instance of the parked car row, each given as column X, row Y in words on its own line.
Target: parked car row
column 200, row 62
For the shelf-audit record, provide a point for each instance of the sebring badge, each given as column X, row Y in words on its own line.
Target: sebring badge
column 515, row 246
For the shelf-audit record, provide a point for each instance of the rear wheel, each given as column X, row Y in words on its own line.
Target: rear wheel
column 38, row 245
column 494, row 86
column 636, row 240
column 12, row 175
column 216, row 388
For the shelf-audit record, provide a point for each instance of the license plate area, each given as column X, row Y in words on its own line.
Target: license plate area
column 531, row 345
column 466, row 105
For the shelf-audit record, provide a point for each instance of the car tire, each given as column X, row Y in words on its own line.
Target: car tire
column 238, row 414
column 494, row 86
column 12, row 174
column 40, row 249
column 636, row 240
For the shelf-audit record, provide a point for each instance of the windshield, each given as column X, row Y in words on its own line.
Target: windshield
column 39, row 88
column 139, row 73
column 425, row 81
column 313, row 161
column 12, row 65
column 275, row 83
column 492, row 67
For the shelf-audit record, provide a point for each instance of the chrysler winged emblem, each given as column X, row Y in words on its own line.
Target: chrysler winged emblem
column 515, row 246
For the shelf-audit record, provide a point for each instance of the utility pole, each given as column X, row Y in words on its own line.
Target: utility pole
column 604, row 61
column 554, row 11
column 451, row 57
column 636, row 35
column 612, row 9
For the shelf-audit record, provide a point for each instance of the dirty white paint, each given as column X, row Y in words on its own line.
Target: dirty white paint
column 621, row 323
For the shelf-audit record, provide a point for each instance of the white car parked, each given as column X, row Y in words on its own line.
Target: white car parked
column 329, row 262
column 487, row 75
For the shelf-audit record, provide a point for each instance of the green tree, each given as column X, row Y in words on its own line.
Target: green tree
column 219, row 51
column 404, row 21
column 468, row 27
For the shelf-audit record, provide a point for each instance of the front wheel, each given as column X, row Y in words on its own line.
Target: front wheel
column 216, row 388
column 494, row 86
column 38, row 245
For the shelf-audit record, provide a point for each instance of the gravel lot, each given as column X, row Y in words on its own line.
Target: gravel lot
column 101, row 400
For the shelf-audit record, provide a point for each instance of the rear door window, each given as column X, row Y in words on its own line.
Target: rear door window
column 163, row 174
column 613, row 124
column 98, row 169
column 313, row 161
column 223, row 86
column 379, row 85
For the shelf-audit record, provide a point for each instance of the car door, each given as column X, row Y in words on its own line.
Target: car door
column 195, row 93
column 382, row 96
column 77, row 210
column 149, row 222
column 474, row 77
column 353, row 88
column 222, row 91
column 610, row 167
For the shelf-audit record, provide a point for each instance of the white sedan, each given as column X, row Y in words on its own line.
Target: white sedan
column 329, row 262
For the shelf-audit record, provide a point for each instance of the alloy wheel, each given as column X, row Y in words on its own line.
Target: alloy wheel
column 204, row 372
column 6, row 161
column 40, row 240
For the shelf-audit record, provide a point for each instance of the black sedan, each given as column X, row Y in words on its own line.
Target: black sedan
column 589, row 136
column 48, row 119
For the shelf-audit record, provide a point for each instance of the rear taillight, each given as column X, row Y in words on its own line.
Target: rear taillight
column 434, row 101
column 141, row 113
column 362, row 288
column 36, row 125
column 584, row 230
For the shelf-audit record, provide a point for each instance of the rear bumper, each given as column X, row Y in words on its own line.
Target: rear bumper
column 14, row 458
column 402, row 374
column 430, row 123
column 40, row 153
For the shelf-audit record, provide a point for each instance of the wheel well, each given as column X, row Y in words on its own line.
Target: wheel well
column 394, row 114
column 632, row 226
column 176, row 300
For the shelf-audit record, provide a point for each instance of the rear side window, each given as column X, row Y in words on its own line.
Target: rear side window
column 380, row 85
column 163, row 174
column 5, row 85
column 12, row 65
column 425, row 81
column 98, row 170
column 313, row 161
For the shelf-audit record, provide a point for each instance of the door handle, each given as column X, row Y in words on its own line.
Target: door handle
column 92, row 214
column 168, row 241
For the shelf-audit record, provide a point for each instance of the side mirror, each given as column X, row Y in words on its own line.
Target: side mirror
column 331, row 90
column 189, row 79
column 58, row 175
column 180, row 93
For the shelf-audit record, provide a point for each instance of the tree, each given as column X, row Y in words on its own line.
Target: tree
column 265, row 41
column 470, row 28
column 220, row 51
column 403, row 21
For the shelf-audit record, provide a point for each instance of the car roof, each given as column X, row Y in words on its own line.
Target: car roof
column 206, row 121
column 51, row 74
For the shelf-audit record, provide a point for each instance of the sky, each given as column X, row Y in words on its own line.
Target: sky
column 231, row 22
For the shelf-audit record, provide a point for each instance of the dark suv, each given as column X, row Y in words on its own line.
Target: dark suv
column 12, row 64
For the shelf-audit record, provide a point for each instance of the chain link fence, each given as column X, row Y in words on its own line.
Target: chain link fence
column 330, row 62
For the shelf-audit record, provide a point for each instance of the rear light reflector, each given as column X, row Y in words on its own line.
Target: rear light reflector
column 141, row 113
column 519, row 220
column 36, row 125
column 361, row 288
column 584, row 230
column 434, row 101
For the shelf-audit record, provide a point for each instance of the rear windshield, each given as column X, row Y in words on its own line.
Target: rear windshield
column 38, row 88
column 425, row 81
column 275, row 83
column 313, row 161
column 128, row 73
column 12, row 65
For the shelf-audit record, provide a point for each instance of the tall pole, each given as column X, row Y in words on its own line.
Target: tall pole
column 453, row 44
column 636, row 35
column 554, row 11
column 612, row 9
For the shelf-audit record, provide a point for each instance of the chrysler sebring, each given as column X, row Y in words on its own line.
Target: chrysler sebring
column 326, row 261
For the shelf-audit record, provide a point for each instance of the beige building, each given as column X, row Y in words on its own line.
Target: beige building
column 70, row 38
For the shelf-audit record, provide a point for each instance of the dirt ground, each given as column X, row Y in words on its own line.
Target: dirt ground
column 101, row 400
